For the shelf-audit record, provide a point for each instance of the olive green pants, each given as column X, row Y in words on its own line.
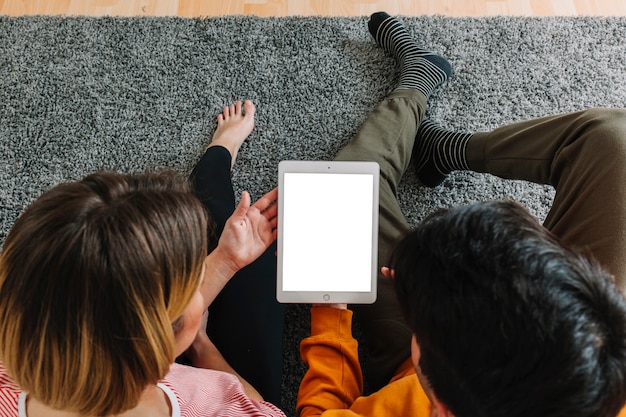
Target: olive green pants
column 583, row 155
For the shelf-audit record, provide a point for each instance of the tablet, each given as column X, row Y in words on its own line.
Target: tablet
column 327, row 232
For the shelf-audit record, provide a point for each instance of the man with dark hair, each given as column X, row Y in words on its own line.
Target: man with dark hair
column 507, row 321
column 483, row 311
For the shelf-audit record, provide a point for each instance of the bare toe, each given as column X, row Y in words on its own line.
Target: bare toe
column 249, row 108
column 234, row 125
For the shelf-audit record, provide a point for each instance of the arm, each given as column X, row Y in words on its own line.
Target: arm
column 334, row 379
column 204, row 354
column 247, row 234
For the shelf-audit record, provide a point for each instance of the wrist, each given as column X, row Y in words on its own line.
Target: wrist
column 331, row 322
column 219, row 270
column 221, row 263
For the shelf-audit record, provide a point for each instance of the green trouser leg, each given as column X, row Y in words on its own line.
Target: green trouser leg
column 583, row 155
column 387, row 137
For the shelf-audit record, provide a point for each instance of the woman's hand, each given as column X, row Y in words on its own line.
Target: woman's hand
column 247, row 234
column 250, row 230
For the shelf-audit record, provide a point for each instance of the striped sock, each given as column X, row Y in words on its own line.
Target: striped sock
column 437, row 152
column 419, row 69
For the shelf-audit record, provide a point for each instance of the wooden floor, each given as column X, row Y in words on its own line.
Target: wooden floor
column 195, row 8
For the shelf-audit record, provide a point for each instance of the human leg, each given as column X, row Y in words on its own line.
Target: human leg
column 246, row 322
column 387, row 137
column 583, row 155
column 211, row 177
column 420, row 69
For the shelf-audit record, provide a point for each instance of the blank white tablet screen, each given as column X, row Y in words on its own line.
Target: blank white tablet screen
column 327, row 232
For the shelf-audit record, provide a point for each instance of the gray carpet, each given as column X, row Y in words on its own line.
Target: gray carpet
column 136, row 94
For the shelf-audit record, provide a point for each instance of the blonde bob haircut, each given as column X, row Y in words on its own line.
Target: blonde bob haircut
column 92, row 276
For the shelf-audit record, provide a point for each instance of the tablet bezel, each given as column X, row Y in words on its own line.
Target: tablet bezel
column 325, row 167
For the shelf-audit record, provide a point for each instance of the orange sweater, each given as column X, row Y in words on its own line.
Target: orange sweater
column 333, row 384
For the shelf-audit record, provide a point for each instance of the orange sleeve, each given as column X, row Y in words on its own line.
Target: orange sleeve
column 622, row 413
column 333, row 380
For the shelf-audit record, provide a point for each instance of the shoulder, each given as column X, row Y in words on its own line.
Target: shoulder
column 207, row 392
column 9, row 394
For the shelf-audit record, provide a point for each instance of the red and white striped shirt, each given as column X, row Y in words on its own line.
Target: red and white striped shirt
column 193, row 392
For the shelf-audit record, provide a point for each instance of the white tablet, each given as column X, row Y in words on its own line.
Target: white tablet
column 327, row 232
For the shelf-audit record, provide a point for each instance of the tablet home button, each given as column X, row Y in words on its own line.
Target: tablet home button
column 326, row 297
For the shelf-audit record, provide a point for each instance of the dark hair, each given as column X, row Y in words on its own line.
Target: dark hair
column 92, row 276
column 508, row 320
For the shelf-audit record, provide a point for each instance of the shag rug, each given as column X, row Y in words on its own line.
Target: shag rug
column 139, row 94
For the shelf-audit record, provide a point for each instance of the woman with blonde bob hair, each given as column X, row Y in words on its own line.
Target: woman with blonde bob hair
column 103, row 283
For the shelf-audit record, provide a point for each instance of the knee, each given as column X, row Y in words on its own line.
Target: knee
column 606, row 122
column 607, row 129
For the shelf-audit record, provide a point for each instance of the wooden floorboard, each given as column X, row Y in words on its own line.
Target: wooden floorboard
column 195, row 8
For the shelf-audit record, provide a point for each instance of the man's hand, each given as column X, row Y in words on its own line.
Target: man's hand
column 339, row 306
column 250, row 230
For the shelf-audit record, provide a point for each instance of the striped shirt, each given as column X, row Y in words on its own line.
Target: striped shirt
column 193, row 392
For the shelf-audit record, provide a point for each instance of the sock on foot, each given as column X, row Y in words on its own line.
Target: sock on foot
column 419, row 68
column 437, row 152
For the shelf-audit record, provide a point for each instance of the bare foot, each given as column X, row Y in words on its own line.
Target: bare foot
column 234, row 125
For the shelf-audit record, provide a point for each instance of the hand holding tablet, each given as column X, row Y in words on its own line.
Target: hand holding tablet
column 327, row 231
